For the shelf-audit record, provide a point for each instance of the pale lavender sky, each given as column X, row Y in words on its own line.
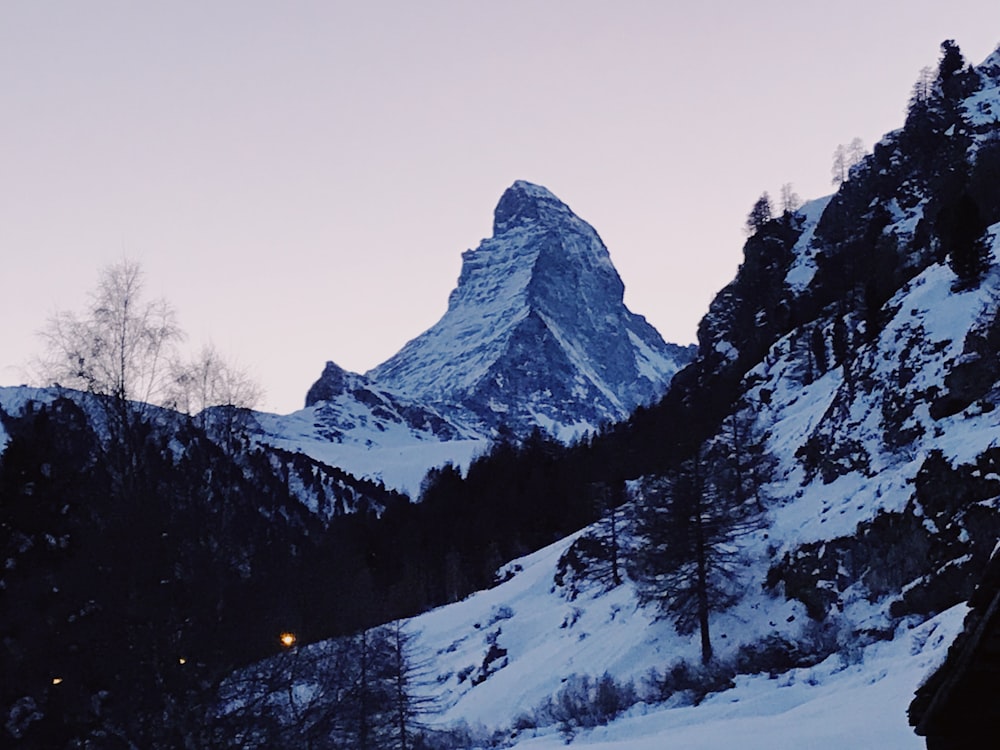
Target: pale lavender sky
column 300, row 178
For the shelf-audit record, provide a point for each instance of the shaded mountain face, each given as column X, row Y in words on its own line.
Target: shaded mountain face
column 536, row 336
column 536, row 333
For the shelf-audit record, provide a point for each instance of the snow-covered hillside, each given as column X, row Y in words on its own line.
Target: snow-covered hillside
column 546, row 636
column 383, row 451
column 546, row 639
column 905, row 365
column 355, row 424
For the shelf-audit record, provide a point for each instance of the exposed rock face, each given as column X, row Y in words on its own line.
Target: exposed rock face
column 536, row 336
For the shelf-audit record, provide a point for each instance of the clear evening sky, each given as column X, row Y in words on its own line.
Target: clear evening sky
column 300, row 178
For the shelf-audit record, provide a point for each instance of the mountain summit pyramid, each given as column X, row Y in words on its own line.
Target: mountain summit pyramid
column 536, row 332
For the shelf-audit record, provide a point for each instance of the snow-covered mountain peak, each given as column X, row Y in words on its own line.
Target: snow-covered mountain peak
column 536, row 333
column 539, row 250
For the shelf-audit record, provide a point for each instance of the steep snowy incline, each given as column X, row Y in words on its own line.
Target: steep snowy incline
column 545, row 637
column 381, row 451
column 536, row 332
column 861, row 369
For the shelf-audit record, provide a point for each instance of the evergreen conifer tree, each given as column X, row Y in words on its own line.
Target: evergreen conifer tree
column 962, row 232
column 760, row 214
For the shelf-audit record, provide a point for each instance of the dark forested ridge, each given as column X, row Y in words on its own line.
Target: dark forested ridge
column 126, row 603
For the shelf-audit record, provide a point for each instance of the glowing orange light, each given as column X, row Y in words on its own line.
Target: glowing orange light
column 182, row 660
column 56, row 680
column 287, row 639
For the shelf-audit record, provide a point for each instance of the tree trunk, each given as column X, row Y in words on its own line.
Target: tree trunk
column 702, row 570
column 706, row 641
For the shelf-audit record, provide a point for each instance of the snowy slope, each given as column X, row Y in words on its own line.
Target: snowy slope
column 547, row 637
column 827, row 707
column 355, row 424
column 804, row 266
column 850, row 354
column 925, row 337
column 4, row 439
column 386, row 452
column 837, row 703
column 868, row 416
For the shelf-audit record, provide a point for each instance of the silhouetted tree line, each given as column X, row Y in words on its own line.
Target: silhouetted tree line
column 516, row 499
column 120, row 610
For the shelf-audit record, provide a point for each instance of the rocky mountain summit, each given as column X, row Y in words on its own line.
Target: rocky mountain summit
column 536, row 332
column 536, row 336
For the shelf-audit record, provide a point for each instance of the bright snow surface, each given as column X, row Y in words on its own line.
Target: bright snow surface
column 836, row 704
column 542, row 263
column 392, row 453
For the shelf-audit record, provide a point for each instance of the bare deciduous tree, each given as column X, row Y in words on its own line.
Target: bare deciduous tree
column 210, row 380
column 119, row 349
column 125, row 347
column 217, row 393
column 790, row 201
column 846, row 157
column 119, row 346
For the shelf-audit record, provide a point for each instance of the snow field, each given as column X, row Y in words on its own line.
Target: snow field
column 832, row 705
